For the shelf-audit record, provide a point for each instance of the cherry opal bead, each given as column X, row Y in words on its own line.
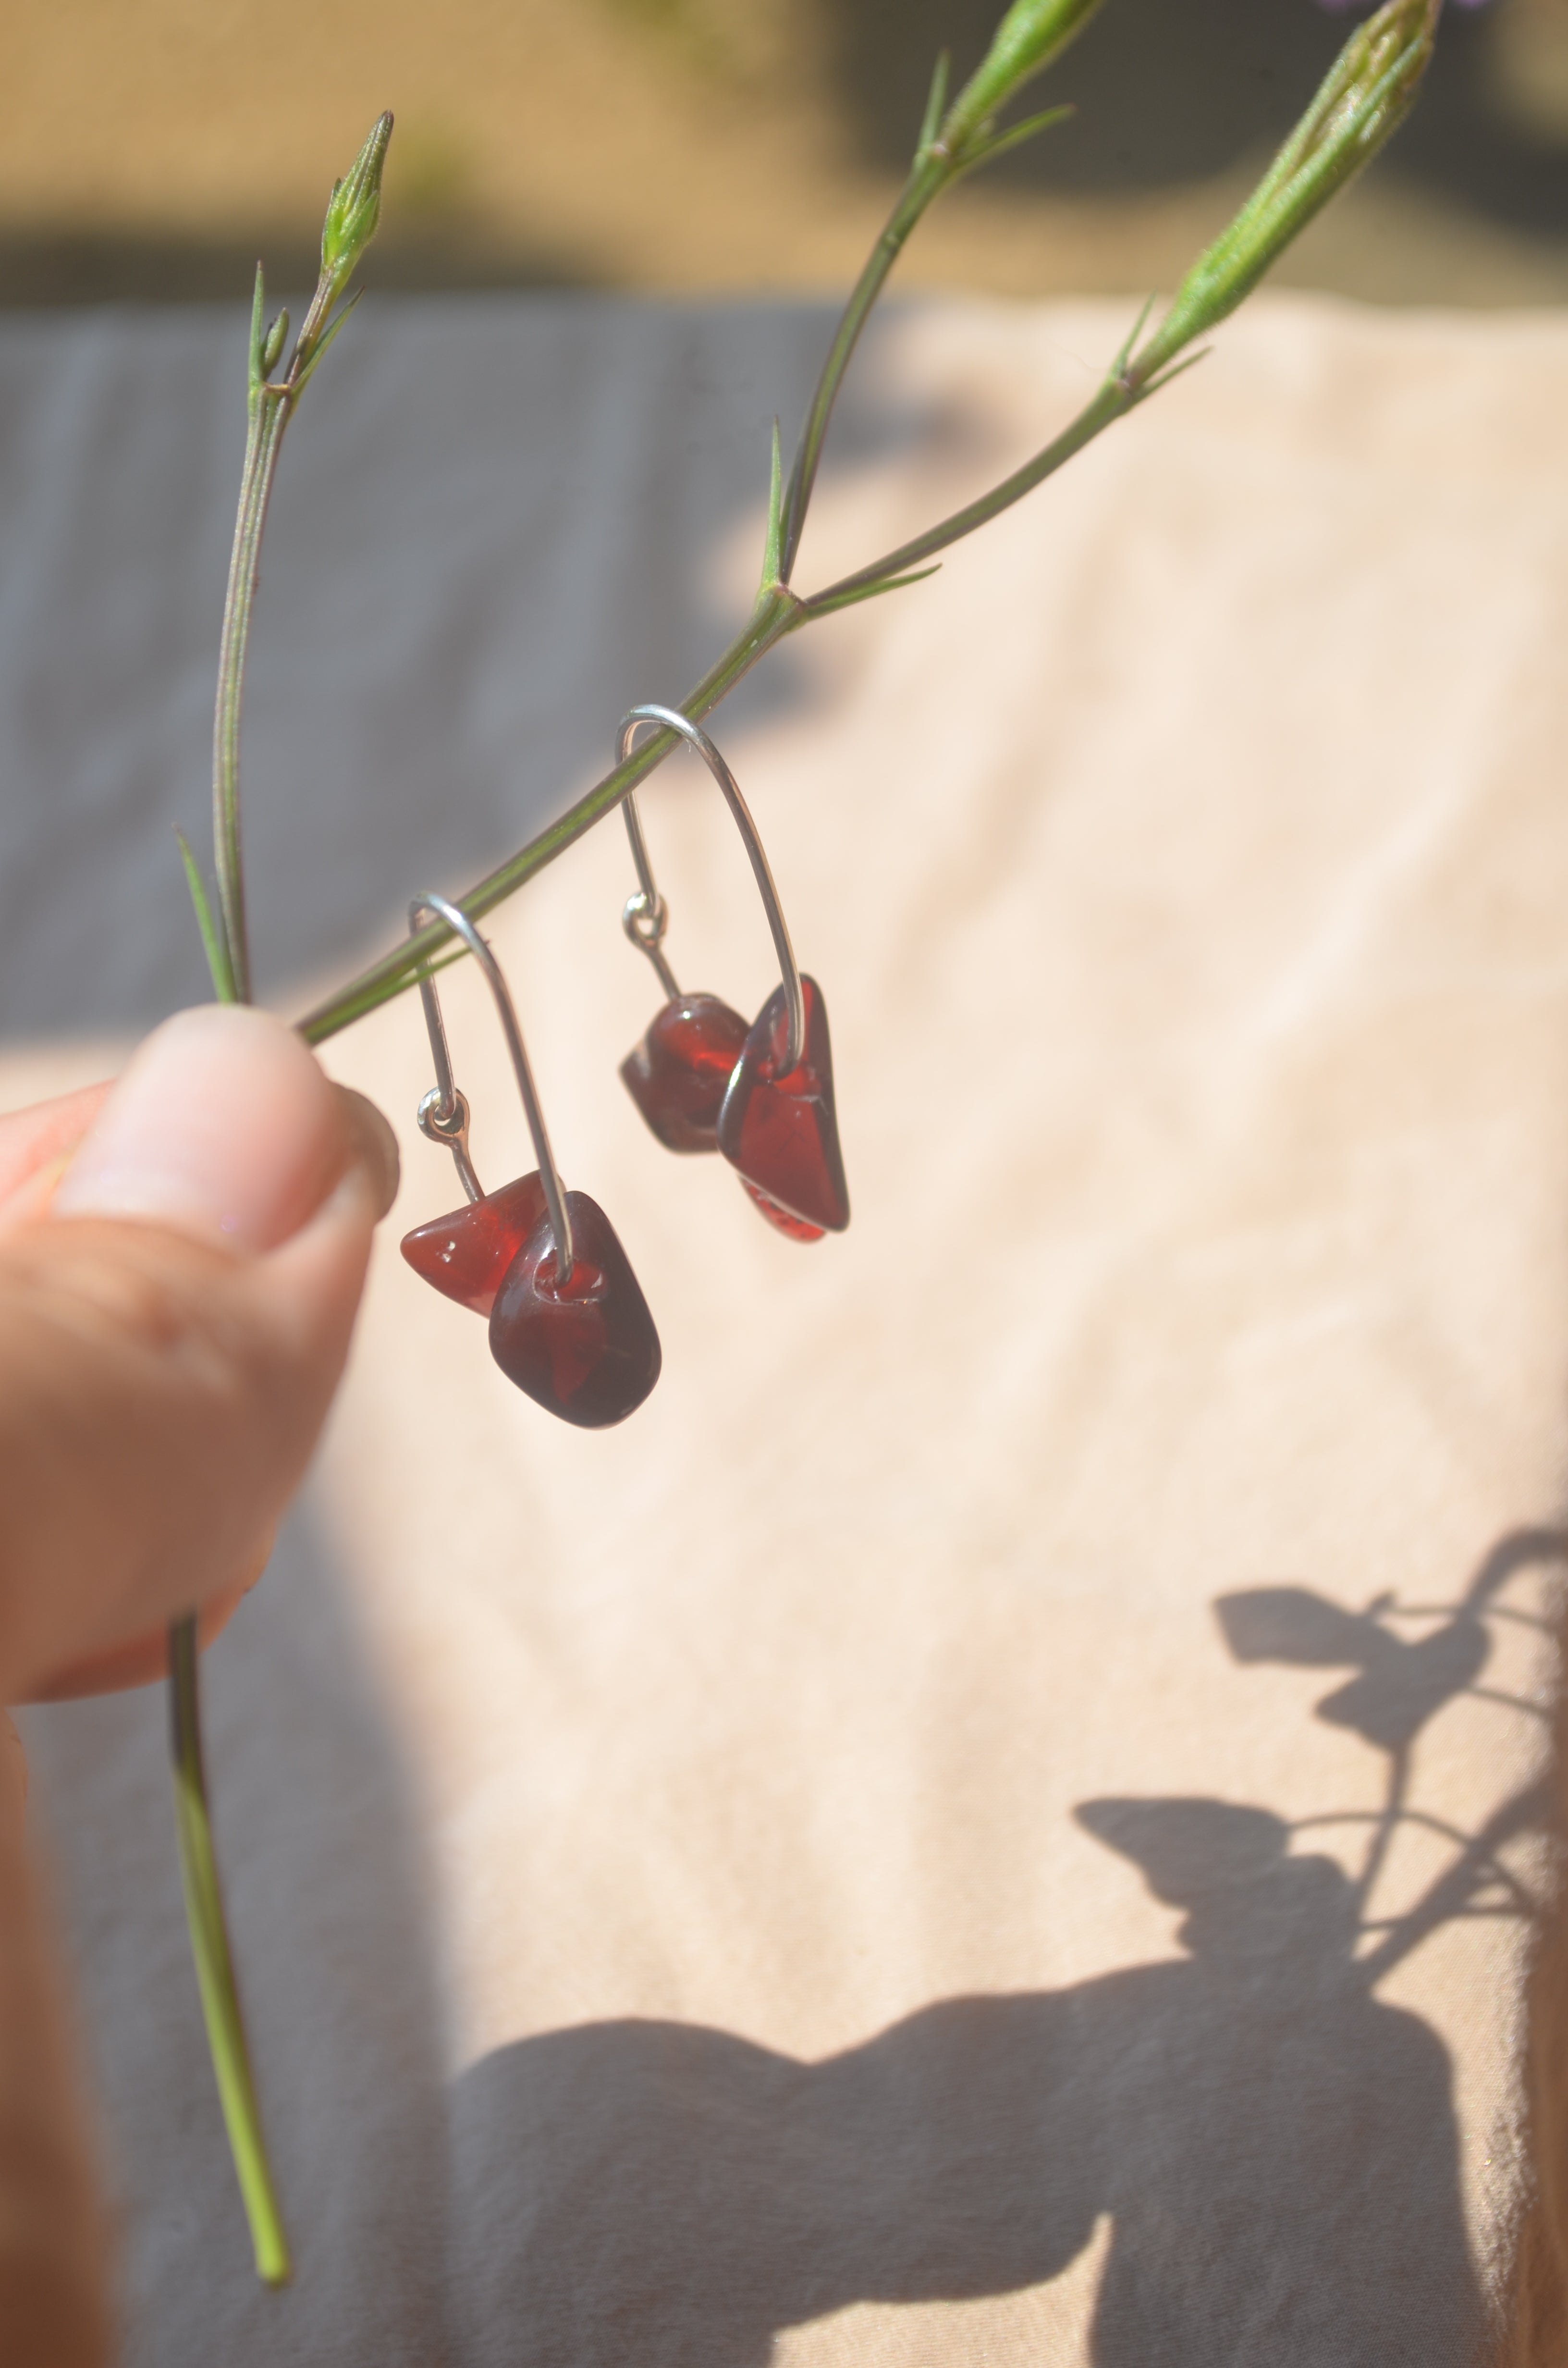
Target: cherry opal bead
column 795, row 1227
column 467, row 1253
column 778, row 1125
column 584, row 1349
column 678, row 1073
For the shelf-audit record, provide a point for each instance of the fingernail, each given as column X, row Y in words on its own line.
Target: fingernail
column 372, row 1145
column 224, row 1126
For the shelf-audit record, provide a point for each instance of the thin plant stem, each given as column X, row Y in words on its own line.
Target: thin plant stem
column 214, row 1962
column 226, row 940
column 929, row 178
column 1115, row 398
column 953, row 141
column 264, row 444
column 211, row 1952
column 352, row 214
column 351, row 218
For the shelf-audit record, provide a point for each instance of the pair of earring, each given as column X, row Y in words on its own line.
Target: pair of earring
column 544, row 1267
column 703, row 1080
column 568, row 1321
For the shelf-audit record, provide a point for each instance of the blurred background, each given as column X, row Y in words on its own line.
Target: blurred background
column 152, row 148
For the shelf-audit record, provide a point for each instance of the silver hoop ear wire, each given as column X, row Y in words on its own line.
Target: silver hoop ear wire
column 649, row 905
column 443, row 1114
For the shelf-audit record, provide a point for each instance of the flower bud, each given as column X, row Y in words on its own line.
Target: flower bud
column 1370, row 91
column 273, row 343
column 1029, row 36
column 355, row 208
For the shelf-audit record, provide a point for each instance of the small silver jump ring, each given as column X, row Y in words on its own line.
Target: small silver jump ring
column 645, row 921
column 443, row 1121
column 443, row 1112
column 670, row 719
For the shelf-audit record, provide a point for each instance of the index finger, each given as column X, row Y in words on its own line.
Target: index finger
column 34, row 1144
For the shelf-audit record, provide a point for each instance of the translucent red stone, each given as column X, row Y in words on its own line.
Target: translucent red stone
column 778, row 1125
column 795, row 1227
column 586, row 1348
column 677, row 1074
column 467, row 1253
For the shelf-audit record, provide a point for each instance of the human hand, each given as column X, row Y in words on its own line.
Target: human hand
column 181, row 1257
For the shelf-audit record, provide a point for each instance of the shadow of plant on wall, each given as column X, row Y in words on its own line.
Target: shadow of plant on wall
column 1274, row 2148
column 1399, row 1689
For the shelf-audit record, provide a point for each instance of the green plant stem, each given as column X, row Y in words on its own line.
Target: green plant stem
column 350, row 224
column 929, row 176
column 269, row 418
column 352, row 214
column 228, row 955
column 1116, row 396
column 214, row 1961
column 209, row 1949
column 945, row 153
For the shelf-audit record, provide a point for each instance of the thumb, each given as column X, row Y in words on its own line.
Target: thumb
column 172, row 1333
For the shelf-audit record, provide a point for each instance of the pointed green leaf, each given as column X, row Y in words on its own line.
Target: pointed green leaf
column 1176, row 369
column 773, row 542
column 936, row 101
column 257, row 339
column 213, row 939
column 333, row 326
column 1015, row 136
column 1123, row 353
column 866, row 592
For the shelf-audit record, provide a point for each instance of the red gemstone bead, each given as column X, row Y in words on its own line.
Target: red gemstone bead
column 586, row 1349
column 467, row 1253
column 777, row 1125
column 678, row 1073
column 796, row 1227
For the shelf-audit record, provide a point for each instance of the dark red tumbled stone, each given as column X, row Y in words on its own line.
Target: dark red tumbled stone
column 677, row 1074
column 586, row 1349
column 777, row 1125
column 467, row 1253
column 795, row 1227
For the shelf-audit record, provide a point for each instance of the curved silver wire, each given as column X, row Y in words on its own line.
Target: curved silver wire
column 646, row 915
column 443, row 1113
